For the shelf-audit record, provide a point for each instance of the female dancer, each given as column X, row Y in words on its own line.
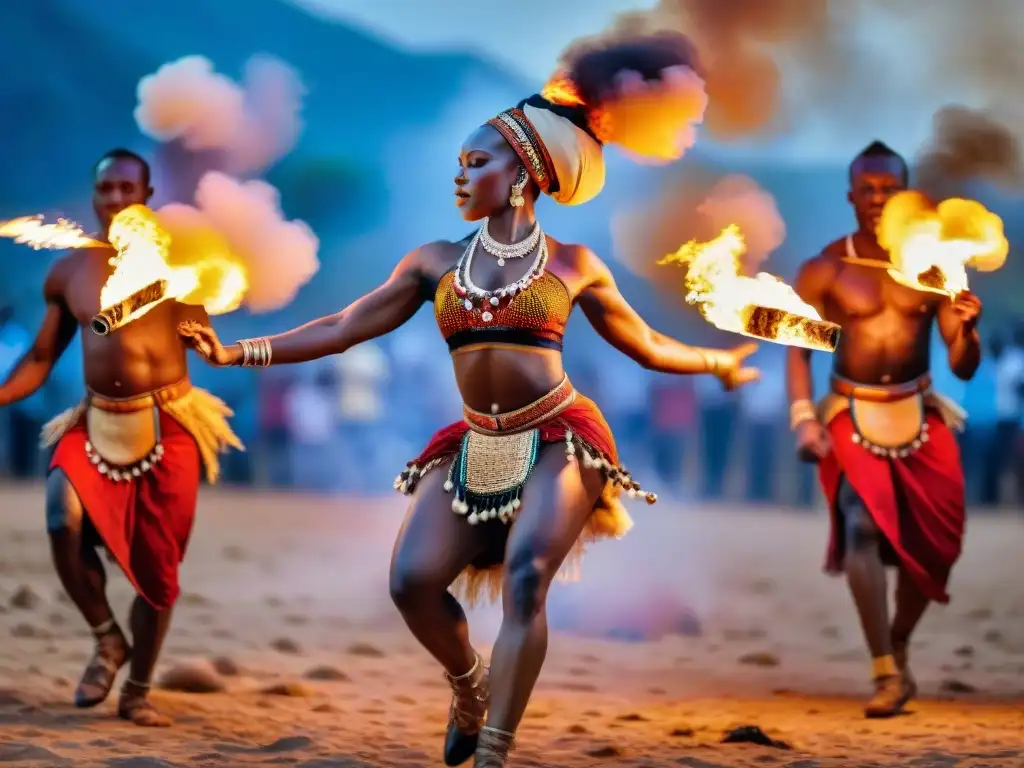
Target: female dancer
column 503, row 497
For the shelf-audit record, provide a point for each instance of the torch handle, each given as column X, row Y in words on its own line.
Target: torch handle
column 123, row 312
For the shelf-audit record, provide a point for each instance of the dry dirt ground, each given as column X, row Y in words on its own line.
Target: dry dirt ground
column 700, row 621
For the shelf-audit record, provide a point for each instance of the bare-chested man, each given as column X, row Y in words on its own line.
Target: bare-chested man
column 888, row 461
column 126, row 468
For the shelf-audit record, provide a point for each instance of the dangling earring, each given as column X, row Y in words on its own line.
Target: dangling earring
column 516, row 199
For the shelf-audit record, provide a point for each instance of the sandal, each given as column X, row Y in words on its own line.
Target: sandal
column 493, row 748
column 136, row 707
column 470, row 695
column 101, row 671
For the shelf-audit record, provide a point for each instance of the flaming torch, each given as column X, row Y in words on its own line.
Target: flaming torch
column 762, row 306
column 932, row 246
column 147, row 272
column 141, row 278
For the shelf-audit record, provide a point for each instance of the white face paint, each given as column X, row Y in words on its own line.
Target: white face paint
column 494, row 408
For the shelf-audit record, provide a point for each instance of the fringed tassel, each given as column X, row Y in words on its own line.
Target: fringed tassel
column 410, row 477
column 616, row 474
column 205, row 417
column 58, row 426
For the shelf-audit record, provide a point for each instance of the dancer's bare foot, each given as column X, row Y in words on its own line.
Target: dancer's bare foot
column 136, row 707
column 112, row 652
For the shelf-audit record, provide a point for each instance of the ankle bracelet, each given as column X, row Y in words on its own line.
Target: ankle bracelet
column 504, row 739
column 137, row 684
column 884, row 666
column 104, row 629
column 468, row 675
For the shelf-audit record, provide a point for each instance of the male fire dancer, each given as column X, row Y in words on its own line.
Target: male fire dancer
column 888, row 461
column 126, row 468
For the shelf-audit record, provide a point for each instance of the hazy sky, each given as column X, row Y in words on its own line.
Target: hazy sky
column 526, row 35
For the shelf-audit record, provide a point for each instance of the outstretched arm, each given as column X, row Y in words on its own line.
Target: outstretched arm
column 54, row 336
column 620, row 325
column 379, row 312
column 958, row 324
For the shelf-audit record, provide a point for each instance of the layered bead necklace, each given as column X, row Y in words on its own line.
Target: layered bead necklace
column 476, row 298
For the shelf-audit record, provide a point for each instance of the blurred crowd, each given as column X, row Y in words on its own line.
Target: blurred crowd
column 348, row 424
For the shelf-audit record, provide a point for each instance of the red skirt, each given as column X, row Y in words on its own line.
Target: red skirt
column 582, row 429
column 916, row 501
column 144, row 522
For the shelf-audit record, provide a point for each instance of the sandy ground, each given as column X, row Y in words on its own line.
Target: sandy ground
column 288, row 596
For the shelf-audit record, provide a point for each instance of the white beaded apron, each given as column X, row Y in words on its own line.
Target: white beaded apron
column 488, row 474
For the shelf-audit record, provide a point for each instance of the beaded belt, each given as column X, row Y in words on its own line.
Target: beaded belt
column 124, row 434
column 881, row 393
column 527, row 417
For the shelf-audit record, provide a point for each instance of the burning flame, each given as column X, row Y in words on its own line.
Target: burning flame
column 145, row 255
column 762, row 306
column 31, row 231
column 931, row 247
column 562, row 90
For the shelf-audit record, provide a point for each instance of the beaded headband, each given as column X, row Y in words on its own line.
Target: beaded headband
column 519, row 132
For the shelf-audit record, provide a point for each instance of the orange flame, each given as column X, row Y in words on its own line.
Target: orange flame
column 762, row 306
column 562, row 90
column 932, row 246
column 145, row 255
column 31, row 231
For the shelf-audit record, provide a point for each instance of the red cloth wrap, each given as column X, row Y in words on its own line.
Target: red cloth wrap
column 144, row 522
column 917, row 502
column 583, row 418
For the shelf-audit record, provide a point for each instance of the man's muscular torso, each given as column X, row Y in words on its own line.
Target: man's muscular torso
column 886, row 327
column 140, row 357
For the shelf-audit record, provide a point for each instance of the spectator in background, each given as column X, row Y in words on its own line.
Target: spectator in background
column 672, row 412
column 363, row 372
column 765, row 410
column 1009, row 383
column 718, row 412
column 311, row 411
column 275, row 438
column 20, row 433
column 978, row 440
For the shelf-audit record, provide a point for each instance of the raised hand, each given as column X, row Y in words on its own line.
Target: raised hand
column 729, row 369
column 206, row 344
column 968, row 308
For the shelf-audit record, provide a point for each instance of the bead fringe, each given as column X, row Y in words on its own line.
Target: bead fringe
column 504, row 506
column 116, row 473
column 898, row 452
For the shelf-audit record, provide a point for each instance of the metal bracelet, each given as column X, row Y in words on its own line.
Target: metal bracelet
column 801, row 411
column 256, row 353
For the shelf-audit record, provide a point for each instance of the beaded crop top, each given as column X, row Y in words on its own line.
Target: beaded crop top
column 533, row 317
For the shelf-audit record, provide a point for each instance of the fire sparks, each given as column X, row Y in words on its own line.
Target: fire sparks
column 932, row 246
column 147, row 272
column 33, row 232
column 762, row 306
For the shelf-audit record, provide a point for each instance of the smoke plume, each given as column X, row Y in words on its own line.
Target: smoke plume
column 847, row 67
column 252, row 124
column 697, row 204
column 968, row 145
column 245, row 220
